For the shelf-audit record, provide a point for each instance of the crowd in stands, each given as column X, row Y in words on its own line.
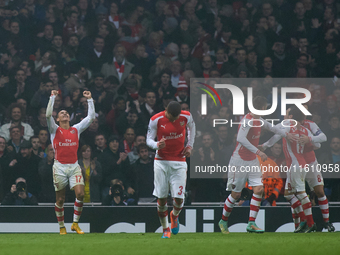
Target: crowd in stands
column 136, row 56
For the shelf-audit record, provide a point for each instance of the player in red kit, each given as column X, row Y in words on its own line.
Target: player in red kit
column 66, row 170
column 313, row 177
column 244, row 166
column 170, row 167
column 296, row 158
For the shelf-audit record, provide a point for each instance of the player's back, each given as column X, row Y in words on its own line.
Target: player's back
column 174, row 135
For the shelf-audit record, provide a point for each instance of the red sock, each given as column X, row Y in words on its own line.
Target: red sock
column 323, row 203
column 228, row 207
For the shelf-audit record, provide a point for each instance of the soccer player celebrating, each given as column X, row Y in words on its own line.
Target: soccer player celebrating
column 313, row 177
column 295, row 191
column 170, row 165
column 243, row 159
column 65, row 142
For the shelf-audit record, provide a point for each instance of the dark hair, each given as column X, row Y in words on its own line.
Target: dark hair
column 174, row 108
column 126, row 30
column 112, row 79
column 296, row 113
column 69, row 51
column 11, row 107
column 34, row 137
column 141, row 147
column 259, row 102
column 13, row 127
column 99, row 134
column 133, row 111
column 98, row 37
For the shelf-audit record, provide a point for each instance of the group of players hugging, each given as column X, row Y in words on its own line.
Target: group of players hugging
column 171, row 128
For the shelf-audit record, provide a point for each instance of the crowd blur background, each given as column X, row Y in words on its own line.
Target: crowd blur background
column 137, row 56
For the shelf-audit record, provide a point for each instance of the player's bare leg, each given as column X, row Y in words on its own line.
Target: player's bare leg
column 323, row 204
column 59, row 210
column 228, row 207
column 255, row 204
column 178, row 205
column 78, row 207
column 162, row 209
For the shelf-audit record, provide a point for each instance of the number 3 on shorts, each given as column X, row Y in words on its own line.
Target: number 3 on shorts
column 180, row 190
column 78, row 178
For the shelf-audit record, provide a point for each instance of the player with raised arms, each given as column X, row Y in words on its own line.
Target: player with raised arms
column 244, row 165
column 170, row 167
column 66, row 170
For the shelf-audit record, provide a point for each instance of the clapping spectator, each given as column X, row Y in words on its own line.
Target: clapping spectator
column 92, row 173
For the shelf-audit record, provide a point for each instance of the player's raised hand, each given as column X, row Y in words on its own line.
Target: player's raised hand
column 161, row 144
column 87, row 94
column 304, row 139
column 263, row 156
column 54, row 92
column 187, row 151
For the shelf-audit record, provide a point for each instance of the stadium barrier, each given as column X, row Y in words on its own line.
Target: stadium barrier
column 141, row 219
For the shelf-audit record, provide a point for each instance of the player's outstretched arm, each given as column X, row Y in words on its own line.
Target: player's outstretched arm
column 91, row 114
column 52, row 126
column 273, row 140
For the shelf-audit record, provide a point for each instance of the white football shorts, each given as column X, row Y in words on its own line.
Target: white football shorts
column 169, row 174
column 295, row 181
column 241, row 171
column 66, row 173
column 313, row 177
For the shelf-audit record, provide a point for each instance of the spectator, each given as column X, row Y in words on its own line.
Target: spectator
column 36, row 148
column 118, row 67
column 77, row 79
column 182, row 95
column 131, row 119
column 187, row 61
column 141, row 173
column 100, row 142
column 149, row 107
column 26, row 165
column 92, row 173
column 5, row 158
column 18, row 88
column 15, row 116
column 16, row 139
column 45, row 170
column 19, row 194
column 40, row 98
column 98, row 55
column 133, row 154
column 41, row 122
column 114, row 163
column 44, row 138
column 128, row 142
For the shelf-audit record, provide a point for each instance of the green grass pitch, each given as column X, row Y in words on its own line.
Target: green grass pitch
column 183, row 243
